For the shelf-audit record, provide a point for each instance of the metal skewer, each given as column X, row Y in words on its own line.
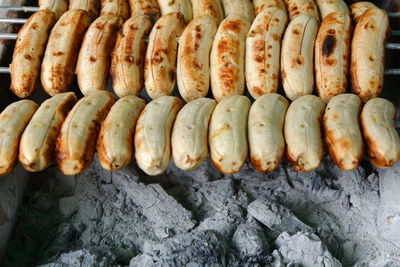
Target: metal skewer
column 20, row 8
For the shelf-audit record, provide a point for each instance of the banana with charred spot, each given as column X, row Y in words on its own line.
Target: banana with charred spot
column 119, row 8
column 62, row 50
column 302, row 133
column 95, row 55
column 176, row 6
column 382, row 139
column 145, row 7
column 127, row 58
column 242, row 8
column 115, row 143
column 28, row 52
column 153, row 134
column 160, row 63
column 91, row 6
column 302, row 7
column 266, row 142
column 358, row 8
column 297, row 64
column 76, row 143
column 57, row 6
column 189, row 135
column 193, row 66
column 227, row 57
column 227, row 134
column 368, row 53
column 263, row 48
column 211, row 8
column 260, row 5
column 38, row 142
column 328, row 6
column 332, row 54
column 13, row 121
column 342, row 131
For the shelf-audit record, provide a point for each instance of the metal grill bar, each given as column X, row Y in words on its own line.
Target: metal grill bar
column 8, row 36
column 13, row 20
column 393, row 46
column 20, row 8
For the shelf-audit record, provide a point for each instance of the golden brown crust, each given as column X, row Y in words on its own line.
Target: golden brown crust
column 332, row 55
column 127, row 58
column 193, row 66
column 368, row 54
column 28, row 52
column 94, row 58
column 115, row 142
column 227, row 57
column 38, row 142
column 76, row 143
column 62, row 50
column 13, row 121
column 160, row 62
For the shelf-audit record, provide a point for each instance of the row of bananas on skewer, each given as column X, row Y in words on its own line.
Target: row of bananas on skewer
column 233, row 129
column 223, row 45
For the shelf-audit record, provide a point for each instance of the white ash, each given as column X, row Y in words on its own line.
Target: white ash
column 305, row 249
column 276, row 217
column 203, row 218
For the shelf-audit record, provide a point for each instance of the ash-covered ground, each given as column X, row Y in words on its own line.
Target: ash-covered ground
column 328, row 217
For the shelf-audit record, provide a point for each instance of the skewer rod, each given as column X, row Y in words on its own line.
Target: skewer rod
column 19, row 8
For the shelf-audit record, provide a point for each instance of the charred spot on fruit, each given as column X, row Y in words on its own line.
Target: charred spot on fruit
column 328, row 45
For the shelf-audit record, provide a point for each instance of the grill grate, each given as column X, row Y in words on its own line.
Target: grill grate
column 32, row 9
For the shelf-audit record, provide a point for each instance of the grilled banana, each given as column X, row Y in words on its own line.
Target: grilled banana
column 342, row 131
column 368, row 54
column 227, row 135
column 382, row 139
column 76, row 143
column 227, row 57
column 38, row 142
column 297, row 64
column 127, row 58
column 145, row 7
column 332, row 54
column 160, row 63
column 303, row 134
column 266, row 142
column 193, row 66
column 358, row 8
column 153, row 134
column 13, row 121
column 189, row 135
column 115, row 144
column 94, row 58
column 28, row 52
column 263, row 49
column 302, row 7
column 91, row 6
column 62, row 50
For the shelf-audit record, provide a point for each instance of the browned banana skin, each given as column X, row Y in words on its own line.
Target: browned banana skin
column 28, row 52
column 62, row 50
